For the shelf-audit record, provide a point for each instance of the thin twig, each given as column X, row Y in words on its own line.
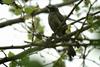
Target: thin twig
column 73, row 10
column 84, row 56
column 20, row 55
column 89, row 51
column 93, row 61
column 5, row 65
column 4, row 53
column 78, row 33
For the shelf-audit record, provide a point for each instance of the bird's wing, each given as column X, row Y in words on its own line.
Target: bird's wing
column 54, row 21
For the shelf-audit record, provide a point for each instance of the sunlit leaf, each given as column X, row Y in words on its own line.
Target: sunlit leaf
column 8, row 1
column 69, row 29
column 30, row 36
column 37, row 40
column 30, row 9
column 90, row 20
column 16, row 11
column 39, row 28
column 34, row 64
column 10, row 54
column 66, row 1
column 59, row 63
column 26, row 62
column 12, row 64
column 79, row 50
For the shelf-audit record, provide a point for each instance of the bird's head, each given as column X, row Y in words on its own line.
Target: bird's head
column 52, row 8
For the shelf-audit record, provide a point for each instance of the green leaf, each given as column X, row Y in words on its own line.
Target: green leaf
column 66, row 1
column 39, row 28
column 90, row 20
column 95, row 25
column 8, row 1
column 59, row 63
column 87, row 2
column 10, row 54
column 30, row 36
column 16, row 11
column 34, row 64
column 79, row 50
column 30, row 9
column 12, row 64
column 95, row 42
column 96, row 8
column 69, row 29
column 26, row 62
column 37, row 40
column 77, row 8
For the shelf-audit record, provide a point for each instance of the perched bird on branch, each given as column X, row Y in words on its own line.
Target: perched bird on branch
column 59, row 26
column 56, row 21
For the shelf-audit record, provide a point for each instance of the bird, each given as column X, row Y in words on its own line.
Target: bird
column 57, row 23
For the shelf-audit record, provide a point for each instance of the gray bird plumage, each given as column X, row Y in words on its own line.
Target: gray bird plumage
column 59, row 26
column 56, row 21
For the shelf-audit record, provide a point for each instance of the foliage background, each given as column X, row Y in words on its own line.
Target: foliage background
column 33, row 24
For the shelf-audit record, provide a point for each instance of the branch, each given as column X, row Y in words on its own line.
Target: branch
column 37, row 47
column 31, row 50
column 73, row 9
column 92, row 14
column 20, row 20
column 20, row 55
column 78, row 33
column 10, row 22
column 69, row 35
column 51, row 45
column 44, row 10
column 93, row 61
column 33, row 44
column 21, row 47
column 68, row 3
column 14, row 47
